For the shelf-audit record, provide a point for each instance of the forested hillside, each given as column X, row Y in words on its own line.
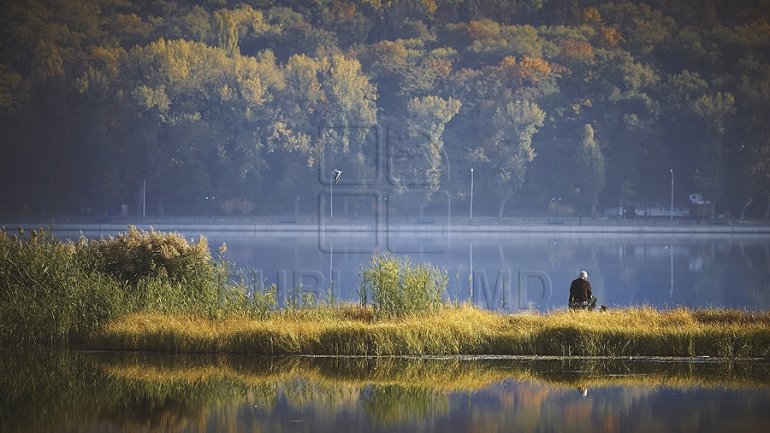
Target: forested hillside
column 237, row 106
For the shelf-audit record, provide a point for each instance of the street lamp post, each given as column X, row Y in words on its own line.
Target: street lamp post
column 471, row 211
column 671, row 215
column 334, row 177
column 331, row 196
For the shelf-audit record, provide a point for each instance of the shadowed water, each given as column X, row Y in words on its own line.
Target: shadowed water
column 75, row 391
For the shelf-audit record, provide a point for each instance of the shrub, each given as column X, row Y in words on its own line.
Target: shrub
column 398, row 288
column 168, row 274
column 138, row 254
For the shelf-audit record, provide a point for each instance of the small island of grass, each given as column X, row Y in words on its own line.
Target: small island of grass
column 146, row 290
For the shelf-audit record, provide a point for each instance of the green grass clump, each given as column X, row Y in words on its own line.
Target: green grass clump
column 398, row 288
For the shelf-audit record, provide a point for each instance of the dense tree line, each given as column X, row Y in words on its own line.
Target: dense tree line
column 238, row 106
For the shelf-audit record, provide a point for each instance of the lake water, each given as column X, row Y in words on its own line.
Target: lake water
column 61, row 391
column 524, row 270
column 142, row 392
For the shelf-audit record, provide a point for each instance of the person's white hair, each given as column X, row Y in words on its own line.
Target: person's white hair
column 583, row 275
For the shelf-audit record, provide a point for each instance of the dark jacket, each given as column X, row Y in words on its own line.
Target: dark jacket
column 580, row 290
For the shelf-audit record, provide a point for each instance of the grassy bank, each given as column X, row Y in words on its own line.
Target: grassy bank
column 453, row 331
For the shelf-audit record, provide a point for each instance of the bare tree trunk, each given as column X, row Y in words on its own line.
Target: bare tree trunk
column 501, row 209
column 743, row 212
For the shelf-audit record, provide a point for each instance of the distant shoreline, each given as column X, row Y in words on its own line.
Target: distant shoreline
column 400, row 225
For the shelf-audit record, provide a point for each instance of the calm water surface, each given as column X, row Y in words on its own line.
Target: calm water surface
column 525, row 271
column 108, row 392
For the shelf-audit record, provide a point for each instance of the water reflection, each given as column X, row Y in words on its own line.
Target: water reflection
column 71, row 391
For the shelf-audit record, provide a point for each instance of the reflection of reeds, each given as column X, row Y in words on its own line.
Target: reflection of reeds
column 463, row 330
column 393, row 390
column 438, row 374
column 184, row 392
column 57, row 391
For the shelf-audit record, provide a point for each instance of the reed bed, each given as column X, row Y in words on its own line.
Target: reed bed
column 464, row 330
column 56, row 291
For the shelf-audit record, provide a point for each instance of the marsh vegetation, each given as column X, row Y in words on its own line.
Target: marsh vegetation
column 151, row 290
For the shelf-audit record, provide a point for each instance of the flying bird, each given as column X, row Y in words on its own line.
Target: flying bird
column 337, row 174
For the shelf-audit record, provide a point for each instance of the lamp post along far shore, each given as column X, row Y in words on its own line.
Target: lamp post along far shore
column 334, row 177
column 671, row 215
column 471, row 209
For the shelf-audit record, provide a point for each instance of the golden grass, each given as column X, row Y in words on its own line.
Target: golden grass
column 453, row 331
column 440, row 375
column 448, row 378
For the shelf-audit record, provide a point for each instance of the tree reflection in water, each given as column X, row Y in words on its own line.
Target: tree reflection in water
column 61, row 391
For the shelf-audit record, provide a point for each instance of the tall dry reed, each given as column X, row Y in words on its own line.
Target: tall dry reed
column 398, row 288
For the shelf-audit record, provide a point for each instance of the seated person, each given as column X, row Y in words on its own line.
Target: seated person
column 580, row 296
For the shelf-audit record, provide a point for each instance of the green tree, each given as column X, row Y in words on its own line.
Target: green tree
column 512, row 149
column 201, row 111
column 752, row 148
column 424, row 149
column 230, row 26
column 589, row 178
column 295, row 35
column 713, row 111
column 326, row 110
column 642, row 27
